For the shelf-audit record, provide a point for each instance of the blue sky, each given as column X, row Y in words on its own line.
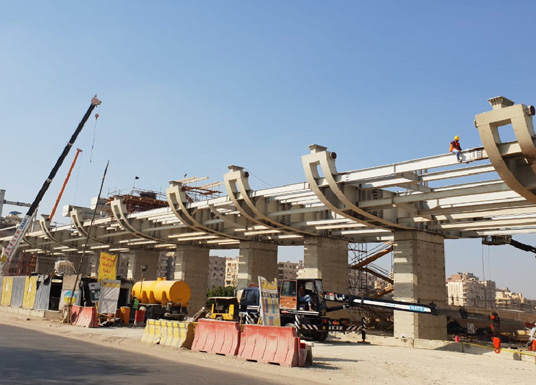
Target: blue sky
column 192, row 87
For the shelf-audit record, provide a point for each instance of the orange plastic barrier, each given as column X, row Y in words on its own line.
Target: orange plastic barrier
column 271, row 344
column 84, row 316
column 139, row 318
column 220, row 337
column 124, row 314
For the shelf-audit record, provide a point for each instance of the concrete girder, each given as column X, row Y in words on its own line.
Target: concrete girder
column 77, row 220
column 412, row 166
column 519, row 172
column 135, row 226
column 44, row 224
column 332, row 195
column 191, row 217
column 256, row 208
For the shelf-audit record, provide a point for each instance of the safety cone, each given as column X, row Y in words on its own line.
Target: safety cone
column 497, row 344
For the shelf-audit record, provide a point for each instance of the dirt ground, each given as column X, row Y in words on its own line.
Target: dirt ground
column 335, row 361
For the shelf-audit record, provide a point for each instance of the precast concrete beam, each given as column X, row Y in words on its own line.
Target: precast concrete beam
column 257, row 209
column 192, row 217
column 100, row 235
column 138, row 227
column 44, row 224
column 518, row 172
column 335, row 195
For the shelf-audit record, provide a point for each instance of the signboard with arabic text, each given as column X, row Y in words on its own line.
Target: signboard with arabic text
column 107, row 266
column 269, row 301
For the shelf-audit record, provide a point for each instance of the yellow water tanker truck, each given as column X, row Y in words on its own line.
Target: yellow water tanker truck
column 163, row 298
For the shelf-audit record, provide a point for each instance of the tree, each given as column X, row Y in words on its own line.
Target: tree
column 220, row 291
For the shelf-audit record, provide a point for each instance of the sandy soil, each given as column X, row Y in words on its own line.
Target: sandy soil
column 335, row 362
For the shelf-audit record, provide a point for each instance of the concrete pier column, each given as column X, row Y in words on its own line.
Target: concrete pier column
column 191, row 266
column 256, row 259
column 143, row 262
column 93, row 264
column 419, row 276
column 75, row 260
column 45, row 263
column 327, row 258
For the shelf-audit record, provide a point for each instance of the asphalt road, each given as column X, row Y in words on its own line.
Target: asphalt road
column 31, row 357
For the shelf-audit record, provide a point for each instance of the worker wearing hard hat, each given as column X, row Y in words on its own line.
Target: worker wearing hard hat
column 456, row 148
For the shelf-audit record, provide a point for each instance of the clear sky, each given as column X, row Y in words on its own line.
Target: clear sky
column 190, row 87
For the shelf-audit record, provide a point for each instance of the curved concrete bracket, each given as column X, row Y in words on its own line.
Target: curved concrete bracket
column 237, row 186
column 119, row 211
column 518, row 173
column 44, row 224
column 78, row 223
column 177, row 200
column 338, row 201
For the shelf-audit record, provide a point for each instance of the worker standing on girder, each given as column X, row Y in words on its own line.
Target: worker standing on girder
column 456, row 148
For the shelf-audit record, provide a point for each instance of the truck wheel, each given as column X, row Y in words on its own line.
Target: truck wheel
column 319, row 336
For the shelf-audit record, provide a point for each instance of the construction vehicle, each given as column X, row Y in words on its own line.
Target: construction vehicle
column 498, row 240
column 163, row 299
column 9, row 254
column 223, row 308
column 310, row 317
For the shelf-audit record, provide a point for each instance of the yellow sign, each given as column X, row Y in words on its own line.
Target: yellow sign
column 107, row 266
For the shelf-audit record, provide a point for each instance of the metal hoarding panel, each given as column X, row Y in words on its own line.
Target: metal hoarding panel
column 18, row 291
column 42, row 296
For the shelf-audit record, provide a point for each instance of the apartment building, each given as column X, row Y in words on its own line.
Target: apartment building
column 465, row 289
column 216, row 272
column 231, row 271
column 288, row 270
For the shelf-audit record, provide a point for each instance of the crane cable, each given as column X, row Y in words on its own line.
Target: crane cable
column 94, row 135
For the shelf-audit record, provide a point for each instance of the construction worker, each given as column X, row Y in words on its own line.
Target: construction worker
column 304, row 298
column 456, row 148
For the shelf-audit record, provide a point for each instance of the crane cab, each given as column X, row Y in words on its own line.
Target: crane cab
column 302, row 294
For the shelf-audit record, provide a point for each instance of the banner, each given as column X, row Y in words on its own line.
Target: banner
column 109, row 295
column 94, row 291
column 269, row 302
column 69, row 298
column 107, row 266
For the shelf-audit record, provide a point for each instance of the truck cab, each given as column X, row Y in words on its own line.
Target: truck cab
column 302, row 295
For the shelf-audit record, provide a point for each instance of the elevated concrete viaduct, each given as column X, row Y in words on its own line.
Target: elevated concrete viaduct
column 416, row 204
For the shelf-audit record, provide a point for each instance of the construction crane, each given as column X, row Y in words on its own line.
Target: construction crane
column 11, row 250
column 496, row 240
column 78, row 151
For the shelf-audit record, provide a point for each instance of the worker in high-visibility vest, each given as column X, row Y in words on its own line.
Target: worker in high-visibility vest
column 456, row 148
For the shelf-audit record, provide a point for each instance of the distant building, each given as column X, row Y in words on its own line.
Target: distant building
column 288, row 270
column 465, row 289
column 510, row 300
column 231, row 272
column 216, row 272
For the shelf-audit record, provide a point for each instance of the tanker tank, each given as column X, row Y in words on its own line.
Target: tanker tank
column 162, row 292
